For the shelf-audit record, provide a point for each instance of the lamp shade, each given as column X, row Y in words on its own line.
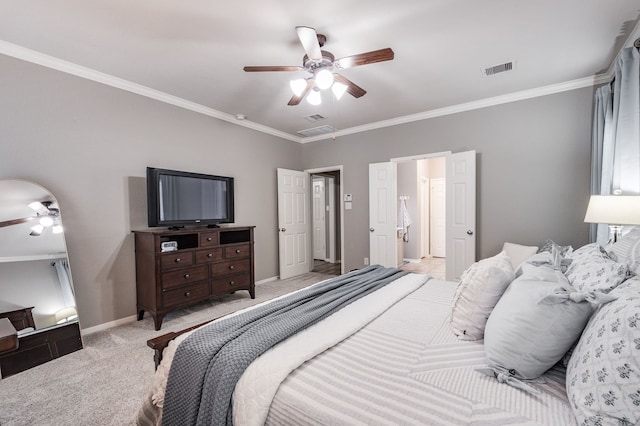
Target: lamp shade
column 614, row 209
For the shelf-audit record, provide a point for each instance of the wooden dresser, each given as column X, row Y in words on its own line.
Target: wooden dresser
column 207, row 263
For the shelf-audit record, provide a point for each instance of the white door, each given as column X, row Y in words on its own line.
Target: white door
column 461, row 213
column 382, row 214
column 319, row 224
column 294, row 226
column 425, row 239
column 437, row 216
column 331, row 216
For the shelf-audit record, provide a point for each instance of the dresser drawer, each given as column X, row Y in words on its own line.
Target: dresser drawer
column 205, row 256
column 185, row 295
column 230, row 267
column 184, row 276
column 208, row 239
column 237, row 251
column 234, row 282
column 176, row 260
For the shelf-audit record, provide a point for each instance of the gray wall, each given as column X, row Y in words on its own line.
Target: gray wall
column 533, row 171
column 32, row 283
column 89, row 144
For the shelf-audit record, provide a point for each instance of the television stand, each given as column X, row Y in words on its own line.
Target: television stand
column 207, row 264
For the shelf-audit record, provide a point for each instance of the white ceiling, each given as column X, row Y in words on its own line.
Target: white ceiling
column 192, row 53
column 17, row 244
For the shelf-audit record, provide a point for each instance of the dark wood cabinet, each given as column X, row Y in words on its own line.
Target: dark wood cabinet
column 207, row 263
column 41, row 346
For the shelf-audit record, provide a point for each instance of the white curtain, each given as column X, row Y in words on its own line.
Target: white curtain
column 616, row 134
column 62, row 269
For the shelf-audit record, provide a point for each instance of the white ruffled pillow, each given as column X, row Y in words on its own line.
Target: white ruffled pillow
column 592, row 269
column 478, row 292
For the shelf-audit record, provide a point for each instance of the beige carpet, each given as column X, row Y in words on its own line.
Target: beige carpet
column 106, row 382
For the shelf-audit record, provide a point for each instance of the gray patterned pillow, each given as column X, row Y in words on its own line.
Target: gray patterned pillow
column 592, row 269
column 603, row 375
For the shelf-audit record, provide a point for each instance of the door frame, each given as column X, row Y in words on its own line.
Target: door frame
column 340, row 170
column 425, row 157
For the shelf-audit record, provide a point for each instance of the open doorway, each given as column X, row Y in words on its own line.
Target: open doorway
column 421, row 189
column 326, row 220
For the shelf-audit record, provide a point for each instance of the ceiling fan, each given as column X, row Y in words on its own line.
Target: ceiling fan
column 46, row 216
column 321, row 64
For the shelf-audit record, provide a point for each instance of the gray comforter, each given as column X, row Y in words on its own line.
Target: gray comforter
column 208, row 364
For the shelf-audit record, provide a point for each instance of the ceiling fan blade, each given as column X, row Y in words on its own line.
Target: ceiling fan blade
column 352, row 88
column 16, row 221
column 272, row 68
column 309, row 39
column 364, row 58
column 42, row 208
column 295, row 100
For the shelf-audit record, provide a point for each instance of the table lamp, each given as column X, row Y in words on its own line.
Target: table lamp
column 615, row 210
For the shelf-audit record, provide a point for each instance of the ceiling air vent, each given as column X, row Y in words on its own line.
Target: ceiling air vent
column 314, row 117
column 497, row 69
column 315, row 131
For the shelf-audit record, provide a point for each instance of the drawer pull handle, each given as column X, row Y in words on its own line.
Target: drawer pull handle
column 177, row 259
column 186, row 275
column 232, row 282
column 237, row 250
column 187, row 294
column 231, row 267
column 209, row 238
column 210, row 255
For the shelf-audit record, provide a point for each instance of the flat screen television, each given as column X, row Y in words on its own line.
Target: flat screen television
column 177, row 199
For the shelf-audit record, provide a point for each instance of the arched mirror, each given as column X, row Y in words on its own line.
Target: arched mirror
column 36, row 288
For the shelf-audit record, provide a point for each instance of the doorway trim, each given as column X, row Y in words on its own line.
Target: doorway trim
column 340, row 170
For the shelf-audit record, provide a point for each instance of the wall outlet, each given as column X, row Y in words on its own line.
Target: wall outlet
column 366, row 261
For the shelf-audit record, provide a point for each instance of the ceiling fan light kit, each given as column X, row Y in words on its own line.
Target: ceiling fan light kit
column 320, row 64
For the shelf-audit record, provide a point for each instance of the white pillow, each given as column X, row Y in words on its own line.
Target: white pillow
column 518, row 253
column 478, row 292
column 627, row 250
column 537, row 320
column 592, row 269
column 603, row 375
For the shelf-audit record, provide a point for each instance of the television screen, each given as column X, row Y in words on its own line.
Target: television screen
column 178, row 198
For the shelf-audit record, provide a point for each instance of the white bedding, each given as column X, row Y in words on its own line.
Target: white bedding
column 392, row 358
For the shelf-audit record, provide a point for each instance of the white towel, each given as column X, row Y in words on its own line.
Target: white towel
column 404, row 220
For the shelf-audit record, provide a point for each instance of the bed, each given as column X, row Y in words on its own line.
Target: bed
column 390, row 357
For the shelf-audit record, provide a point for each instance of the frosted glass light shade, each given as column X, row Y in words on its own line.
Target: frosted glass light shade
column 298, row 86
column 46, row 221
column 314, row 98
column 614, row 209
column 338, row 89
column 324, row 79
column 57, row 229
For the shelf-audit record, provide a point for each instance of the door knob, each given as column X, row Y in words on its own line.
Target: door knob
column 283, row 229
column 469, row 232
column 371, row 229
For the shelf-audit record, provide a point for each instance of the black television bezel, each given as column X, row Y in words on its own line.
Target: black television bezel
column 153, row 206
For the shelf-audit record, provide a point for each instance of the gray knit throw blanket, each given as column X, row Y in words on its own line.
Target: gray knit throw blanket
column 208, row 364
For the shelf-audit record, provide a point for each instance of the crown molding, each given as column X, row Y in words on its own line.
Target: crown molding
column 19, row 52
column 469, row 106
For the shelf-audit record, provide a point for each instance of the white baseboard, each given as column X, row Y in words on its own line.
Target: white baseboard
column 132, row 318
column 108, row 325
column 268, row 280
column 412, row 260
